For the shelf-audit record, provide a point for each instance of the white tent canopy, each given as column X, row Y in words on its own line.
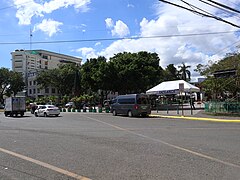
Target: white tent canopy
column 172, row 87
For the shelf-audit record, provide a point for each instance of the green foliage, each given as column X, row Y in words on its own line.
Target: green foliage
column 94, row 74
column 135, row 72
column 217, row 86
column 171, row 73
column 61, row 78
column 124, row 73
column 184, row 73
column 10, row 82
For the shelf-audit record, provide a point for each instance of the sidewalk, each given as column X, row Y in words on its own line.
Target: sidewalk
column 188, row 114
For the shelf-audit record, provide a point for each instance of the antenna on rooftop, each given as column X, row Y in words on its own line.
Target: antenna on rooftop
column 30, row 38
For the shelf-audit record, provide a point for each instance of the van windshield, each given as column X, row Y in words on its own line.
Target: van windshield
column 142, row 100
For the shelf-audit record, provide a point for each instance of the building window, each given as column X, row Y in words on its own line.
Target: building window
column 30, row 83
column 45, row 57
column 30, row 91
column 18, row 66
column 46, row 90
column 53, row 90
column 34, row 91
column 38, row 90
column 34, row 82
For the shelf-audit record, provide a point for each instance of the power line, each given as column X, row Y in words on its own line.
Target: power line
column 217, row 7
column 115, row 39
column 201, row 13
column 224, row 6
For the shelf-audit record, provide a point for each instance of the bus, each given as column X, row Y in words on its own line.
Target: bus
column 131, row 105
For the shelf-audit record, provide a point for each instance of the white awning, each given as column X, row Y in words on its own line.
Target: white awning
column 172, row 87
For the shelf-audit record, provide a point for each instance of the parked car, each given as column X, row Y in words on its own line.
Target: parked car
column 47, row 110
column 70, row 104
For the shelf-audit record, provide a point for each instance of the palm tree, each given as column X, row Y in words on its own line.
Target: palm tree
column 184, row 73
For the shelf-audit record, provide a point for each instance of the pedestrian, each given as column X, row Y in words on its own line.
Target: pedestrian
column 192, row 100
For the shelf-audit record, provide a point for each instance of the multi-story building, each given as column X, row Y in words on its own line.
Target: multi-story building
column 30, row 62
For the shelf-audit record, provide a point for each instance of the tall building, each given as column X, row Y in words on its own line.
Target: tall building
column 30, row 62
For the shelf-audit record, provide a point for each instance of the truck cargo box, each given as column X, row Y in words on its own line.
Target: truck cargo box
column 15, row 106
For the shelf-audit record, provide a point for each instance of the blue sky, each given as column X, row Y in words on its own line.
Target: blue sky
column 93, row 20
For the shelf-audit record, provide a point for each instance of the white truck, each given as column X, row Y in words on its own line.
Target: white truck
column 15, row 106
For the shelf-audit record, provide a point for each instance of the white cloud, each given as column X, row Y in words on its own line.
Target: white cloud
column 87, row 52
column 109, row 23
column 48, row 26
column 27, row 9
column 120, row 29
column 98, row 44
column 191, row 50
column 130, row 6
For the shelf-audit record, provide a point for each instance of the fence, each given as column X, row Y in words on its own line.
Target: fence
column 222, row 107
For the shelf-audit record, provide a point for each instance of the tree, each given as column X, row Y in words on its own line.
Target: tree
column 16, row 83
column 61, row 78
column 93, row 74
column 136, row 72
column 229, row 84
column 10, row 83
column 184, row 73
column 171, row 73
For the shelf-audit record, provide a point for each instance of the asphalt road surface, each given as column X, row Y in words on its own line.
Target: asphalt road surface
column 102, row 146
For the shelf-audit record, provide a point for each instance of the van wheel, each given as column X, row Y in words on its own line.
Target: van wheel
column 114, row 112
column 130, row 114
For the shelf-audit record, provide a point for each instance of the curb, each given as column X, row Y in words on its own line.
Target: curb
column 197, row 118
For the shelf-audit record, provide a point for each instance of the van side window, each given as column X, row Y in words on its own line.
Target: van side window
column 126, row 101
column 142, row 100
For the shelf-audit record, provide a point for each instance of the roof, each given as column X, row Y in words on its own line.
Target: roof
column 172, row 87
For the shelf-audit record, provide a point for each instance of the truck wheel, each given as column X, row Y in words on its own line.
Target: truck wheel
column 6, row 114
column 11, row 114
column 22, row 113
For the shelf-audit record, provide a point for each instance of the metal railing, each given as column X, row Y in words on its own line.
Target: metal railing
column 222, row 107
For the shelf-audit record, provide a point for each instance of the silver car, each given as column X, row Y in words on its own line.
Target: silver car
column 47, row 110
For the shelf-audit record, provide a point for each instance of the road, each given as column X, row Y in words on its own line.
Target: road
column 101, row 146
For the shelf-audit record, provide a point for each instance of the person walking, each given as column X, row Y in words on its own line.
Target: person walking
column 192, row 100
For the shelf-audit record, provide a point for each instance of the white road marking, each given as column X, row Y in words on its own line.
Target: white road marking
column 168, row 144
column 46, row 165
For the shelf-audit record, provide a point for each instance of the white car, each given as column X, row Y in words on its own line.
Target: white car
column 70, row 104
column 47, row 110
